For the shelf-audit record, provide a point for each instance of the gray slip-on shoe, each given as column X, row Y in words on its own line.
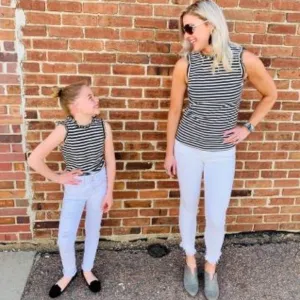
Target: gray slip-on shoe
column 190, row 281
column 211, row 287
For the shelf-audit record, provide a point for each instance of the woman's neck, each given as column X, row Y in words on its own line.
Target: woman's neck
column 208, row 51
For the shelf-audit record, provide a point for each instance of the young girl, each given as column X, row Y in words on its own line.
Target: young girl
column 203, row 139
column 87, row 147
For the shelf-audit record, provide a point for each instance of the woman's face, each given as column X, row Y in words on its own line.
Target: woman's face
column 197, row 32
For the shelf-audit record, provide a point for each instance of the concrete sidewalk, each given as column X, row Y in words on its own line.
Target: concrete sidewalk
column 14, row 270
column 253, row 267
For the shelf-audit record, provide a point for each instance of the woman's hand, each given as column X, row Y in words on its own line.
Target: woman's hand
column 170, row 165
column 70, row 177
column 235, row 135
column 107, row 202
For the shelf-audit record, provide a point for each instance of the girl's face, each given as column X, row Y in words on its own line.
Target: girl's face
column 196, row 32
column 85, row 103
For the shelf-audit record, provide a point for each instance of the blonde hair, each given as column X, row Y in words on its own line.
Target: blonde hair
column 68, row 94
column 208, row 10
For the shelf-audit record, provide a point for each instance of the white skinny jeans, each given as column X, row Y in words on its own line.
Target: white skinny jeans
column 219, row 169
column 90, row 194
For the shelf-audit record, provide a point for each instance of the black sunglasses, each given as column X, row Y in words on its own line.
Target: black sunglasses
column 190, row 29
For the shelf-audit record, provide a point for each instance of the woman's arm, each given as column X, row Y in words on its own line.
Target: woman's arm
column 262, row 81
column 179, row 84
column 110, row 162
column 38, row 155
column 177, row 97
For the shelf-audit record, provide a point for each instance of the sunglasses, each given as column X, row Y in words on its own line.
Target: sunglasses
column 190, row 29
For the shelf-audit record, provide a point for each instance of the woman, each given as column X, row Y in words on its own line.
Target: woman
column 212, row 70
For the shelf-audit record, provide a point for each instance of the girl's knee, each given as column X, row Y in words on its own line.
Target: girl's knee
column 66, row 238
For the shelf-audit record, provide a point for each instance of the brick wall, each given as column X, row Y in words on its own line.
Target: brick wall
column 14, row 206
column 128, row 49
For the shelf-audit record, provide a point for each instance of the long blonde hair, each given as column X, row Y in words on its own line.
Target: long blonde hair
column 220, row 41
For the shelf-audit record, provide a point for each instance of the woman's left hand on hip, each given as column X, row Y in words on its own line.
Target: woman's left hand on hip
column 235, row 135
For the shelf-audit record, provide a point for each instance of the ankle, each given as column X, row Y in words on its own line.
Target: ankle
column 210, row 268
column 191, row 261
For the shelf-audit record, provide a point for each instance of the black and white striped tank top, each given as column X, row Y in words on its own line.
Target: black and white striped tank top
column 213, row 101
column 83, row 147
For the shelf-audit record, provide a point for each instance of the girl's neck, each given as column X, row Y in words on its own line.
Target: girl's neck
column 82, row 120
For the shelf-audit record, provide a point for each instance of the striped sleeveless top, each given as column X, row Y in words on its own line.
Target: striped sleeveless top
column 213, row 101
column 83, row 147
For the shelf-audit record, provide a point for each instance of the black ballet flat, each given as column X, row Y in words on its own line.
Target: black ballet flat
column 56, row 291
column 94, row 286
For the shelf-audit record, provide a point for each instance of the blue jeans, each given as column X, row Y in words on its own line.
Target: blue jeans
column 89, row 194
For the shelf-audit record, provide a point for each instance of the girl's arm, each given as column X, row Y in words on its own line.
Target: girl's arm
column 177, row 96
column 38, row 155
column 110, row 163
column 110, row 160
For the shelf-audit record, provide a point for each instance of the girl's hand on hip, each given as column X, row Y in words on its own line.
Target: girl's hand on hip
column 170, row 165
column 69, row 177
column 107, row 202
column 235, row 135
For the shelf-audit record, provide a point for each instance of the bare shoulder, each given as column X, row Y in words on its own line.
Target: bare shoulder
column 180, row 71
column 250, row 60
column 181, row 65
column 107, row 128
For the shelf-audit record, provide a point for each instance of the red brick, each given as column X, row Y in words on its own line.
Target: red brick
column 156, row 230
column 89, row 45
column 269, row 16
column 128, row 70
column 286, row 5
column 130, row 34
column 34, row 31
column 79, row 20
column 114, row 21
column 133, row 93
column 135, row 9
column 150, row 23
column 293, row 17
column 282, row 29
column 121, row 46
column 101, row 33
column 66, row 6
column 250, row 27
column 135, row 59
column 265, row 227
column 32, row 5
column 43, row 18
column 6, row 237
column 256, row 4
column 65, row 32
column 100, row 8
column 277, row 51
column 292, row 41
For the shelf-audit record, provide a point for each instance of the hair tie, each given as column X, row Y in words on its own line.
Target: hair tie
column 59, row 93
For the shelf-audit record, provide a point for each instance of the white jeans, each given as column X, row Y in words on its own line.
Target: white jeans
column 219, row 169
column 90, row 194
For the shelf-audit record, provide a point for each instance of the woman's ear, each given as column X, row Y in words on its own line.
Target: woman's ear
column 211, row 28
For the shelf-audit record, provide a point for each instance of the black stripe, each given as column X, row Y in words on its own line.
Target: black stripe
column 214, row 99
column 83, row 147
